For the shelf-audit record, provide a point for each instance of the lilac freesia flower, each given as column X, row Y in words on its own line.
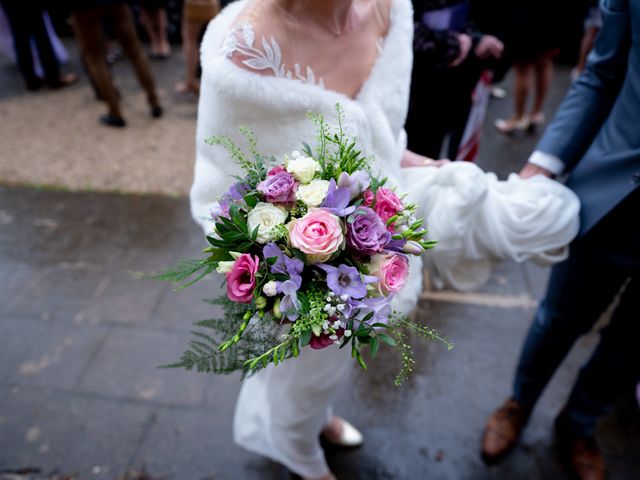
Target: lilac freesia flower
column 337, row 200
column 379, row 306
column 346, row 280
column 236, row 193
column 289, row 288
column 396, row 245
column 357, row 182
column 278, row 188
column 366, row 232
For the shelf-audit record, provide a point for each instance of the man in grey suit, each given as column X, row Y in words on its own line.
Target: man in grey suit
column 595, row 138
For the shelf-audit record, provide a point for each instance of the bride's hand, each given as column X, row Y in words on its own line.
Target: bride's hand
column 529, row 170
column 412, row 159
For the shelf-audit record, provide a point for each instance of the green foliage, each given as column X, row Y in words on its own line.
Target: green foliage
column 233, row 232
column 204, row 353
column 255, row 168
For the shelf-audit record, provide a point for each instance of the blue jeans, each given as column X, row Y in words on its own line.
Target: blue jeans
column 579, row 291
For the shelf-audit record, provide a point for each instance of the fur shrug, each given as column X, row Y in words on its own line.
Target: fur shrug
column 275, row 110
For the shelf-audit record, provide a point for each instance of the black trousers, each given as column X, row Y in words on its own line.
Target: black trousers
column 25, row 18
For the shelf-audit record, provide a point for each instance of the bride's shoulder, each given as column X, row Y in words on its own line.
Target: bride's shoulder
column 251, row 41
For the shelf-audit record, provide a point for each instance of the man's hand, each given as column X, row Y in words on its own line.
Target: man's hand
column 489, row 47
column 464, row 41
column 530, row 170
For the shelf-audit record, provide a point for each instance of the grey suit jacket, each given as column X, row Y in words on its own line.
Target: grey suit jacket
column 596, row 131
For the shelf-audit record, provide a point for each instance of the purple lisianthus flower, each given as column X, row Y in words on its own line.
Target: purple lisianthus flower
column 337, row 200
column 366, row 232
column 357, row 182
column 278, row 188
column 346, row 280
column 379, row 306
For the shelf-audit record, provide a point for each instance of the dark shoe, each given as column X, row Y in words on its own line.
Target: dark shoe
column 503, row 431
column 35, row 84
column 113, row 121
column 579, row 455
column 156, row 111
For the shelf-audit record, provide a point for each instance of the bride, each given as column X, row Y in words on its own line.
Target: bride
column 266, row 63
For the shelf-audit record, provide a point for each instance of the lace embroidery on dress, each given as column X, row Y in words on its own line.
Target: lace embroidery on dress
column 241, row 38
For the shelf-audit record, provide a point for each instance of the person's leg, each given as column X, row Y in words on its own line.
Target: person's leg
column 190, row 33
column 155, row 23
column 47, row 55
column 613, row 368
column 543, row 68
column 18, row 17
column 576, row 297
column 521, row 87
column 87, row 25
column 126, row 34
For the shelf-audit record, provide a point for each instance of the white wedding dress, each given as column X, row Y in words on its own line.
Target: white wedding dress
column 282, row 410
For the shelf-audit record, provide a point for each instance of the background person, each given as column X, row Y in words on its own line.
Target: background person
column 88, row 17
column 27, row 22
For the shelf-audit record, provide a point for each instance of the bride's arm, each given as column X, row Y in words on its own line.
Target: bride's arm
column 412, row 159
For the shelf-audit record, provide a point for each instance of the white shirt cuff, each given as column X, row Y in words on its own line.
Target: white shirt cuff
column 547, row 161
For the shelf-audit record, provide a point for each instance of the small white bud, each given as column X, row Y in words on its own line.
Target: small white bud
column 340, row 307
column 270, row 288
column 333, row 337
column 344, row 298
column 224, row 266
column 347, row 333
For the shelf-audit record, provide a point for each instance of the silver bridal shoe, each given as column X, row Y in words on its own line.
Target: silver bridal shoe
column 350, row 436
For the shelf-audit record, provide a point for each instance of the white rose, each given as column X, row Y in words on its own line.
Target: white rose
column 314, row 193
column 224, row 266
column 266, row 217
column 270, row 288
column 302, row 168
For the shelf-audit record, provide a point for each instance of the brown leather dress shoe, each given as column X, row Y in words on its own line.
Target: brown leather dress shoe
column 579, row 455
column 503, row 431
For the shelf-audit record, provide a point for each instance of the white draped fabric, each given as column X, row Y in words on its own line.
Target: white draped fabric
column 281, row 410
column 478, row 220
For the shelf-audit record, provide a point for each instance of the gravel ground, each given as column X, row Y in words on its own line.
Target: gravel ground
column 53, row 138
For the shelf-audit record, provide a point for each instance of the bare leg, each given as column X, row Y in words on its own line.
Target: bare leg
column 521, row 87
column 190, row 33
column 155, row 24
column 543, row 68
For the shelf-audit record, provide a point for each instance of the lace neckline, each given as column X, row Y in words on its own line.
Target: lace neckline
column 241, row 39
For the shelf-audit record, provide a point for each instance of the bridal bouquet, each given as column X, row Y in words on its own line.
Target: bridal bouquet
column 314, row 247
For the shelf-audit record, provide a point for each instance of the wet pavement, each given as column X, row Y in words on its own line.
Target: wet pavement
column 82, row 337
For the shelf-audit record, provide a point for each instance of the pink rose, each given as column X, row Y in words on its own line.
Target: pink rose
column 388, row 203
column 319, row 234
column 392, row 270
column 275, row 170
column 368, row 197
column 241, row 280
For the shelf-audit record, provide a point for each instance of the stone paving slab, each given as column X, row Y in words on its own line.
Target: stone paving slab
column 45, row 353
column 49, row 429
column 116, row 371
